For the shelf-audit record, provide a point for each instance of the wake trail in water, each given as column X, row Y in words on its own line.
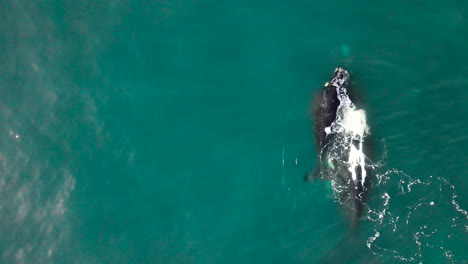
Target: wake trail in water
column 405, row 209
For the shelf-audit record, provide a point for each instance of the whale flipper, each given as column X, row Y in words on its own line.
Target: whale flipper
column 321, row 172
column 313, row 175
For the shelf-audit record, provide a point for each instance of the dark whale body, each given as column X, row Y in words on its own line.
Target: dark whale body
column 343, row 145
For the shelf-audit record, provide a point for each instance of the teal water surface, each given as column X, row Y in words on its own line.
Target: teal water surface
column 180, row 131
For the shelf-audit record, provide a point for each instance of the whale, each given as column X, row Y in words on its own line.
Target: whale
column 343, row 144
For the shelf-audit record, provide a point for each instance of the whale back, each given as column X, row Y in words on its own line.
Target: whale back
column 341, row 132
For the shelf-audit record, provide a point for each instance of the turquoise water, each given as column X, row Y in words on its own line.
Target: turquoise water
column 179, row 131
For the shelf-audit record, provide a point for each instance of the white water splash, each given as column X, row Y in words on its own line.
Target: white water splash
column 371, row 239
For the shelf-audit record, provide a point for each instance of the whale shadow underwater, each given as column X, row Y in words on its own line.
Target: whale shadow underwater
column 344, row 147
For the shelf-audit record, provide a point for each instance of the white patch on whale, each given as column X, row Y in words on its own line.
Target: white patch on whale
column 354, row 121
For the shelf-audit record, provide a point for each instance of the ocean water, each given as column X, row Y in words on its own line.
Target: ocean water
column 180, row 131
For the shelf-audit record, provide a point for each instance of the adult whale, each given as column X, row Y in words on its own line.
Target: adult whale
column 344, row 152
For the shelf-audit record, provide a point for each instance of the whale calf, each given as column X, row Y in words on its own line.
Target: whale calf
column 342, row 141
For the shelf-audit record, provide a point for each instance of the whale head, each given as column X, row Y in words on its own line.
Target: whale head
column 340, row 77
